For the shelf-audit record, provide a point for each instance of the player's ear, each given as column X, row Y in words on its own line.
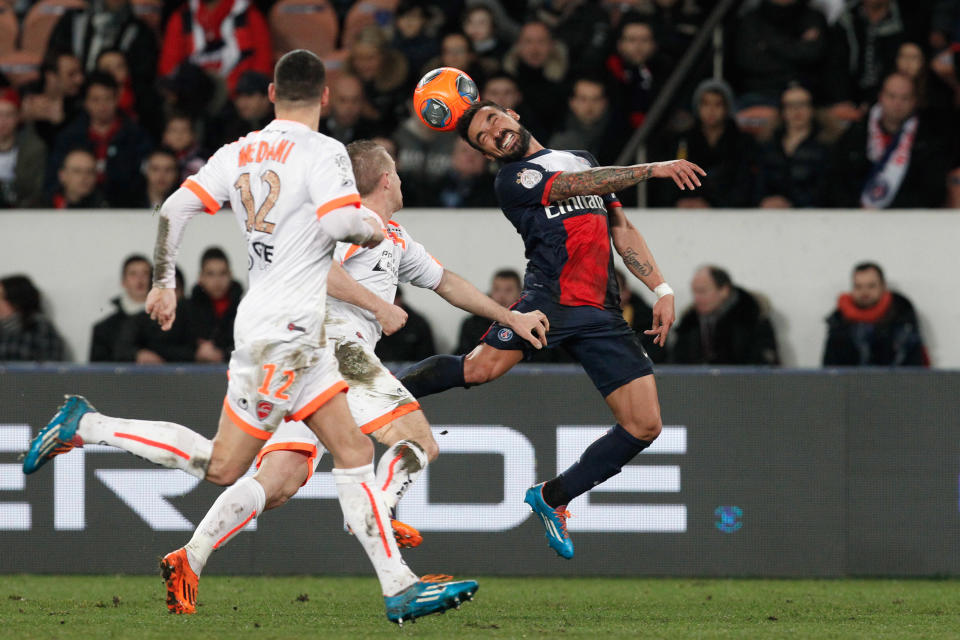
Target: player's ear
column 513, row 114
column 325, row 97
column 272, row 92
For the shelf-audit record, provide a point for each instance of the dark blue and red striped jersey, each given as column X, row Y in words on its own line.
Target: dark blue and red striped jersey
column 567, row 242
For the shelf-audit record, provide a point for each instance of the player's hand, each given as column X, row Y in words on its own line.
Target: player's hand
column 682, row 172
column 531, row 326
column 391, row 318
column 162, row 306
column 663, row 318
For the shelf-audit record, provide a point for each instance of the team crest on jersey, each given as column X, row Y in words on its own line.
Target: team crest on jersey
column 263, row 409
column 505, row 334
column 529, row 178
column 343, row 167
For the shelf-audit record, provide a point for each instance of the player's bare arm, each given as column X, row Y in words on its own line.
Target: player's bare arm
column 603, row 180
column 638, row 258
column 342, row 286
column 532, row 326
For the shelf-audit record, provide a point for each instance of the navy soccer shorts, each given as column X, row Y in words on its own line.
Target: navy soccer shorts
column 599, row 339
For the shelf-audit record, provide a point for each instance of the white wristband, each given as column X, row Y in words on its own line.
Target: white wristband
column 663, row 289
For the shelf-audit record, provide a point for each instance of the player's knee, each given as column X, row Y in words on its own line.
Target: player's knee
column 476, row 371
column 288, row 487
column 644, row 427
column 224, row 474
column 430, row 448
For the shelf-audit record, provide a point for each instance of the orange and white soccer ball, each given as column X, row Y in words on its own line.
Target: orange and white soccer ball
column 441, row 97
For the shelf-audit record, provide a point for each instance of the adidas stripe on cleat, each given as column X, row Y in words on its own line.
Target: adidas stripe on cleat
column 181, row 582
column 59, row 435
column 554, row 521
column 431, row 594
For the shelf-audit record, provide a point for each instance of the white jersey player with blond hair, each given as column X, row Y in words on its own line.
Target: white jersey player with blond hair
column 293, row 192
column 360, row 307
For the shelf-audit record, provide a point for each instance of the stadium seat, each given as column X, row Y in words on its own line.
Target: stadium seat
column 150, row 11
column 8, row 28
column 20, row 67
column 303, row 24
column 364, row 13
column 40, row 20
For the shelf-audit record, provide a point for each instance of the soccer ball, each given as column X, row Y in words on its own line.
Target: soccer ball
column 442, row 96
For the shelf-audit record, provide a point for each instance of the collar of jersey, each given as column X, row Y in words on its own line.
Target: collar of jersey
column 536, row 155
column 280, row 121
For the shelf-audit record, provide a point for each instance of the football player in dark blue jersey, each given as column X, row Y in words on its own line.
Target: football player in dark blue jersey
column 564, row 208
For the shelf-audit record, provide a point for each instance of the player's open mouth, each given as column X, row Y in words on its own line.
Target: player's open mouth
column 507, row 139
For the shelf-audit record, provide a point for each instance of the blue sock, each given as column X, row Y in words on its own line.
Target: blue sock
column 433, row 375
column 599, row 462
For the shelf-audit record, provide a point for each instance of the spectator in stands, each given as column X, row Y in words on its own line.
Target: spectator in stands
column 213, row 307
column 151, row 345
column 53, row 102
column 676, row 23
column 118, row 144
column 639, row 315
column 456, row 52
column 589, row 124
column 893, row 159
column 110, row 25
column 725, row 325
column 423, row 159
column 162, row 175
column 180, row 136
column 873, row 326
column 778, row 42
column 383, row 72
column 26, row 335
column 934, row 96
column 413, row 342
column 716, row 144
column 793, row 170
column 480, row 26
column 864, row 47
column 234, row 37
column 137, row 101
column 505, row 287
column 189, row 90
column 411, row 37
column 111, row 335
column 250, row 110
column 582, row 26
column 345, row 121
column 77, row 182
column 539, row 63
column 504, row 90
column 636, row 70
column 22, row 157
column 468, row 183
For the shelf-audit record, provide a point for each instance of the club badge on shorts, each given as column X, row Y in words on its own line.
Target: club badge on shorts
column 263, row 409
column 505, row 334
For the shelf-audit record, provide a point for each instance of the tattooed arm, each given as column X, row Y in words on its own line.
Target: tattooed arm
column 638, row 258
column 602, row 180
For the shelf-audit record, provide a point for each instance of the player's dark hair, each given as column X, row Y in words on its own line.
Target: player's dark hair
column 299, row 77
column 867, row 266
column 509, row 274
column 463, row 124
column 132, row 258
column 101, row 79
column 213, row 253
column 719, row 276
column 22, row 295
column 369, row 160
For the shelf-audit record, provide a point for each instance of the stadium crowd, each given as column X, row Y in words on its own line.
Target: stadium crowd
column 821, row 103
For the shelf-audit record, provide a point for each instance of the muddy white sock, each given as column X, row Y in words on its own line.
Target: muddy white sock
column 398, row 469
column 164, row 443
column 235, row 507
column 365, row 512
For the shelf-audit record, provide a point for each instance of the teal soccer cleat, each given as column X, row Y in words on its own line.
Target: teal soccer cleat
column 554, row 521
column 60, row 434
column 430, row 594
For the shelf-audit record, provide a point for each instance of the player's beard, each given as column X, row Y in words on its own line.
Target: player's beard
column 520, row 149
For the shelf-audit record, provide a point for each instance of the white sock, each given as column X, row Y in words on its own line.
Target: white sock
column 366, row 514
column 164, row 443
column 235, row 507
column 399, row 468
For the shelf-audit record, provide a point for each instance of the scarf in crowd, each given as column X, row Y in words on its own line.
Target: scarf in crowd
column 871, row 315
column 890, row 159
column 211, row 24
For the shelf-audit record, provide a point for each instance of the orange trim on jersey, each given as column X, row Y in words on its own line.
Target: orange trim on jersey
column 322, row 399
column 389, row 417
column 250, row 517
column 256, row 432
column 352, row 250
column 208, row 200
column 376, row 516
column 308, row 450
column 546, row 188
column 152, row 443
column 336, row 203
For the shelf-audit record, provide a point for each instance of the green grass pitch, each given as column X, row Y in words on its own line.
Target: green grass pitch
column 320, row 607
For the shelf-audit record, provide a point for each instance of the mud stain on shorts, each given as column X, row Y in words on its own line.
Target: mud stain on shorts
column 355, row 365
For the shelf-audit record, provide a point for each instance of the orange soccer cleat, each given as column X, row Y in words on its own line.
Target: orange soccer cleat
column 182, row 583
column 406, row 536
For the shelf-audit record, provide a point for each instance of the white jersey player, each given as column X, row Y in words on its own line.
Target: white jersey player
column 362, row 291
column 294, row 194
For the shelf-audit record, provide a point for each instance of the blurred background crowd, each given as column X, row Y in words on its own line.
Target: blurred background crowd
column 790, row 104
